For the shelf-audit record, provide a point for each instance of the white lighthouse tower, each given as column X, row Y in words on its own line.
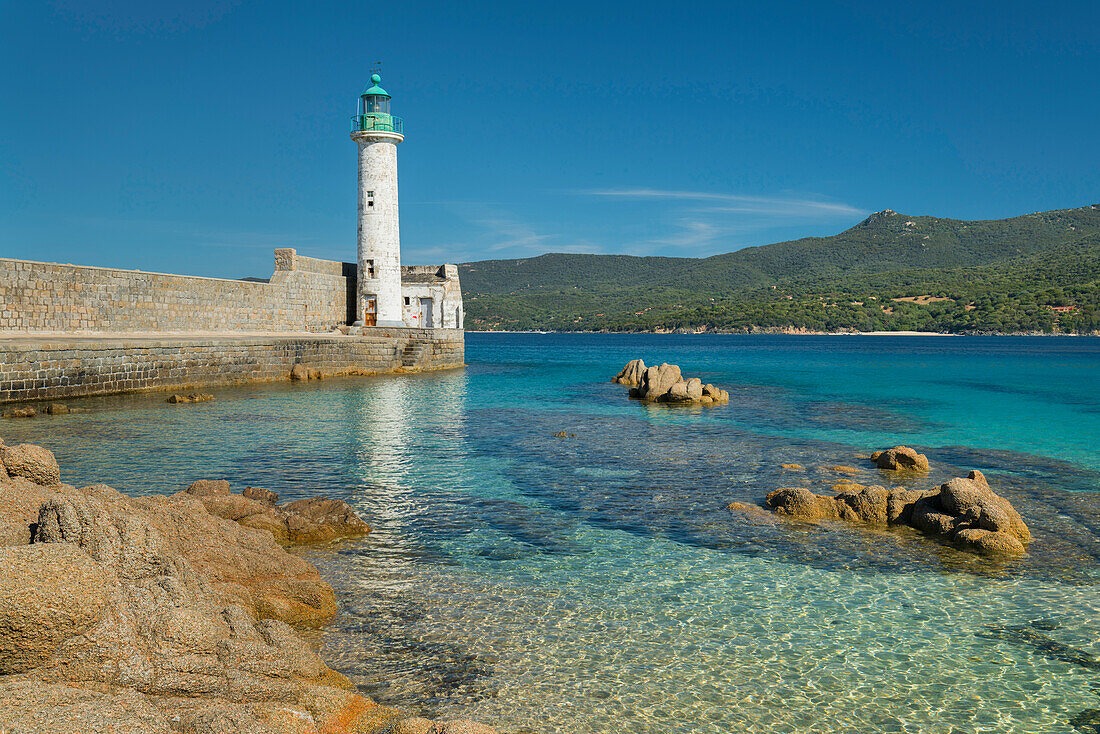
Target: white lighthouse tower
column 377, row 134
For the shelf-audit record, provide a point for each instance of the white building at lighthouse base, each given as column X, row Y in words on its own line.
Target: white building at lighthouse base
column 431, row 297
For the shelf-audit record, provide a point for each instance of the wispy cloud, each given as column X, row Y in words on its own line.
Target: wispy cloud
column 487, row 232
column 699, row 223
column 739, row 203
column 691, row 233
column 505, row 233
column 247, row 245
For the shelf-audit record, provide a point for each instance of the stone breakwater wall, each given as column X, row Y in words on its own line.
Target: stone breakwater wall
column 45, row 369
column 304, row 294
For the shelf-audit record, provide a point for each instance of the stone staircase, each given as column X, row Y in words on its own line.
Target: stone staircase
column 414, row 353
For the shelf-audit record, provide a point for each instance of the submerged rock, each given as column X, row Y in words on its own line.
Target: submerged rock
column 153, row 615
column 312, row 520
column 418, row 725
column 21, row 413
column 843, row 469
column 964, row 510
column 425, row 726
column 901, row 459
column 1041, row 644
column 753, row 514
column 665, row 384
column 197, row 397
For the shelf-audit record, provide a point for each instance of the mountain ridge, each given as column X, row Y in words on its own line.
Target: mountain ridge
column 881, row 253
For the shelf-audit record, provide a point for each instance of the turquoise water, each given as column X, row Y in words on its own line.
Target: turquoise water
column 596, row 583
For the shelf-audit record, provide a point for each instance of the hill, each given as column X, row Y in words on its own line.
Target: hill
column 1037, row 272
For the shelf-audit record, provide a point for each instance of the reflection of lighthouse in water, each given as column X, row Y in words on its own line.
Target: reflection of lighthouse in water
column 410, row 456
column 402, row 425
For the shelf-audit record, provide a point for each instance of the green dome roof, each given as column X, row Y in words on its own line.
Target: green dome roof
column 374, row 88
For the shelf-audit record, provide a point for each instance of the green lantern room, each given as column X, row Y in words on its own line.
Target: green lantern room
column 374, row 110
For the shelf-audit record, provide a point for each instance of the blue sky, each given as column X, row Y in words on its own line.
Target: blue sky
column 196, row 137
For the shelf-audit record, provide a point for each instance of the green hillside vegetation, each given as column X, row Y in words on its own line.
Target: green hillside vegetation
column 1034, row 273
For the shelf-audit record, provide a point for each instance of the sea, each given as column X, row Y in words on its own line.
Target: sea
column 548, row 555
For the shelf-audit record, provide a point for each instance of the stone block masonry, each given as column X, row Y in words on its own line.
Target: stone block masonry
column 35, row 368
column 72, row 331
column 304, row 294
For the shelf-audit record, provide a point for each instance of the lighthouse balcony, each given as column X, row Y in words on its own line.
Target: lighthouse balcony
column 377, row 123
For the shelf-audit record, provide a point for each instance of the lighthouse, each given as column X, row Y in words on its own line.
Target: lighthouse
column 376, row 132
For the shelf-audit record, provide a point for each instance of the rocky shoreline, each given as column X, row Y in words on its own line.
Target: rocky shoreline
column 171, row 613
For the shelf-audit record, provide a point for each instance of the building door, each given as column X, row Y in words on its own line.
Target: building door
column 370, row 311
column 426, row 313
column 351, row 294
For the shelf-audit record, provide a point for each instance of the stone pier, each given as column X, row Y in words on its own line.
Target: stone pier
column 48, row 367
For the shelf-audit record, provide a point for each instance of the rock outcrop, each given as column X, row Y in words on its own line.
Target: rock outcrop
column 154, row 615
column 901, row 459
column 631, row 375
column 964, row 510
column 311, row 520
column 31, row 462
column 969, row 512
column 665, row 384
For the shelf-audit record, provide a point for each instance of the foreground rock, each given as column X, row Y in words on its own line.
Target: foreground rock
column 30, row 462
column 964, row 510
column 122, row 614
column 312, row 520
column 901, row 459
column 665, row 384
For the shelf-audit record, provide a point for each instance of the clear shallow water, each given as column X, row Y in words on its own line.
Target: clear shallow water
column 597, row 583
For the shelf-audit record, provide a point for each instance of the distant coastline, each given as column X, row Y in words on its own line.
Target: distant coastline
column 1036, row 273
column 784, row 332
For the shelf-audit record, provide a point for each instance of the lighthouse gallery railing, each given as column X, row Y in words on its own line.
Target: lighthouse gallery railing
column 380, row 123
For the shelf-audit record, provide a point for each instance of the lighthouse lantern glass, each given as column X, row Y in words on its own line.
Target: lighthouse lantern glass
column 376, row 104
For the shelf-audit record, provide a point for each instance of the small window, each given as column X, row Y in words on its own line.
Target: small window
column 368, row 266
column 406, row 300
column 370, row 199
